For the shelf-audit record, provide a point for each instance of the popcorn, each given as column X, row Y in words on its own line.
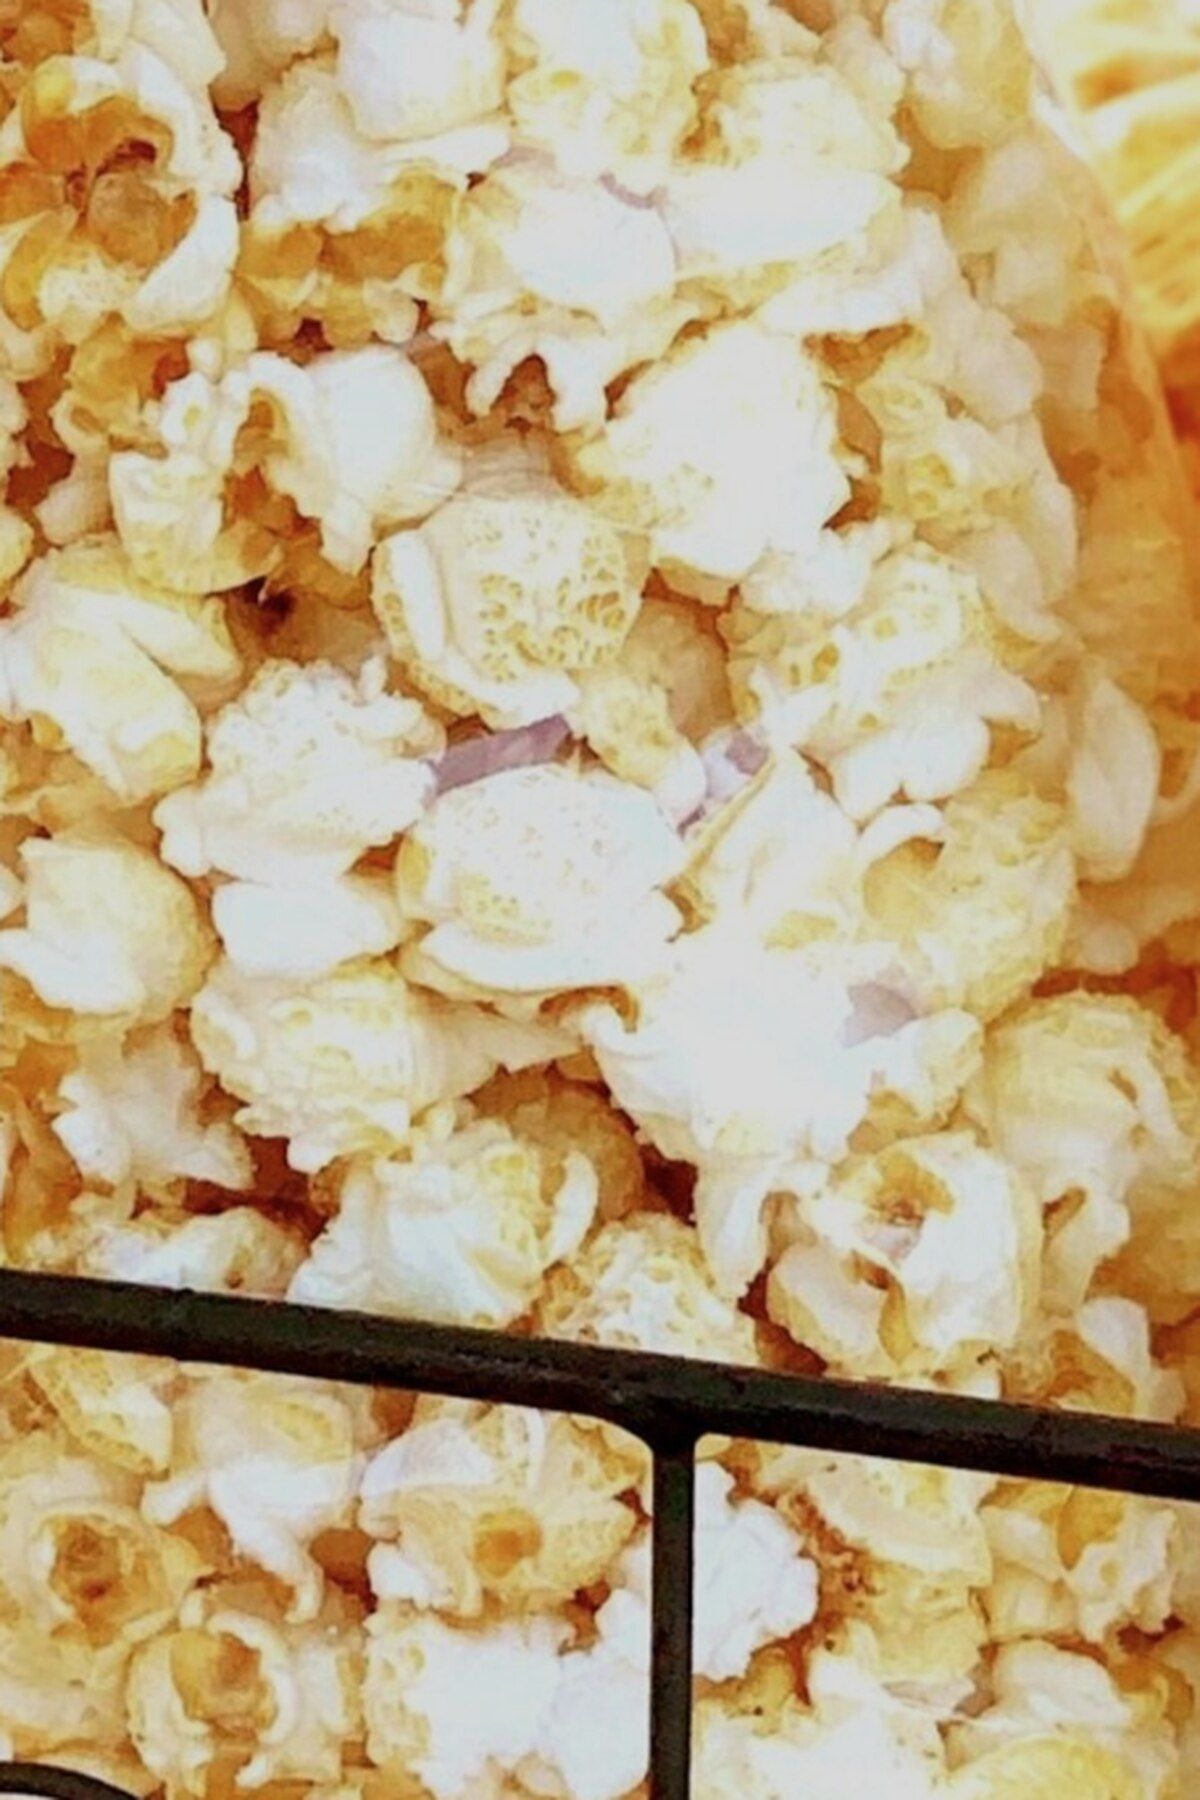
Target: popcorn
column 754, row 1121
column 308, row 769
column 566, row 1118
column 418, row 1670
column 1074, row 1563
column 239, row 1250
column 1101, row 1362
column 349, row 226
column 79, row 1562
column 944, row 1238
column 131, row 1115
column 740, row 226
column 108, row 659
column 969, row 77
column 312, row 434
column 342, row 1065
column 722, row 453
column 898, row 696
column 410, row 71
column 276, row 1458
column 579, row 274
column 641, row 1283
column 462, row 1233
column 1092, row 1098
column 607, row 89
column 537, row 879
column 279, row 1698
column 852, row 1721
column 108, row 931
column 116, row 1407
column 496, row 1504
column 496, row 603
column 1059, row 1722
column 301, row 934
column 95, row 225
column 982, row 915
column 753, row 1583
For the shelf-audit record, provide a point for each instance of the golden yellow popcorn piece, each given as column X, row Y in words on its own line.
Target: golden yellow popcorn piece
column 496, row 1502
column 563, row 1119
column 117, row 1407
column 233, row 1684
column 981, row 914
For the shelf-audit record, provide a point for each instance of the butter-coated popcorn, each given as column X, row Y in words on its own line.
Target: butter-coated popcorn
column 349, row 440
column 281, row 1697
column 598, row 652
column 462, row 1232
column 476, row 1503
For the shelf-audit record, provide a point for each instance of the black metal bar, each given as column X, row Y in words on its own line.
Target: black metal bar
column 53, row 1783
column 661, row 1399
column 673, row 1583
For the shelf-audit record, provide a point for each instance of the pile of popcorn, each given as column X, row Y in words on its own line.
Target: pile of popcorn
column 598, row 736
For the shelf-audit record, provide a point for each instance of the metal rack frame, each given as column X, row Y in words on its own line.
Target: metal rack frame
column 668, row 1402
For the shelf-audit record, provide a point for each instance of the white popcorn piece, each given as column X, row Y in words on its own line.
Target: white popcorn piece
column 952, row 1233
column 1089, row 1096
column 414, row 71
column 108, row 930
column 109, row 659
column 751, row 1063
column 753, row 1584
column 314, row 162
column 131, row 1114
column 539, row 879
column 852, row 1722
column 301, row 934
column 350, row 439
column 342, row 1065
column 724, row 452
column 239, row 1250
column 898, row 696
column 418, row 1670
column 478, row 1506
column 499, row 600
column 308, row 768
column 278, row 1460
column 607, row 89
column 463, row 1232
column 641, row 1283
column 570, row 270
column 740, row 227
